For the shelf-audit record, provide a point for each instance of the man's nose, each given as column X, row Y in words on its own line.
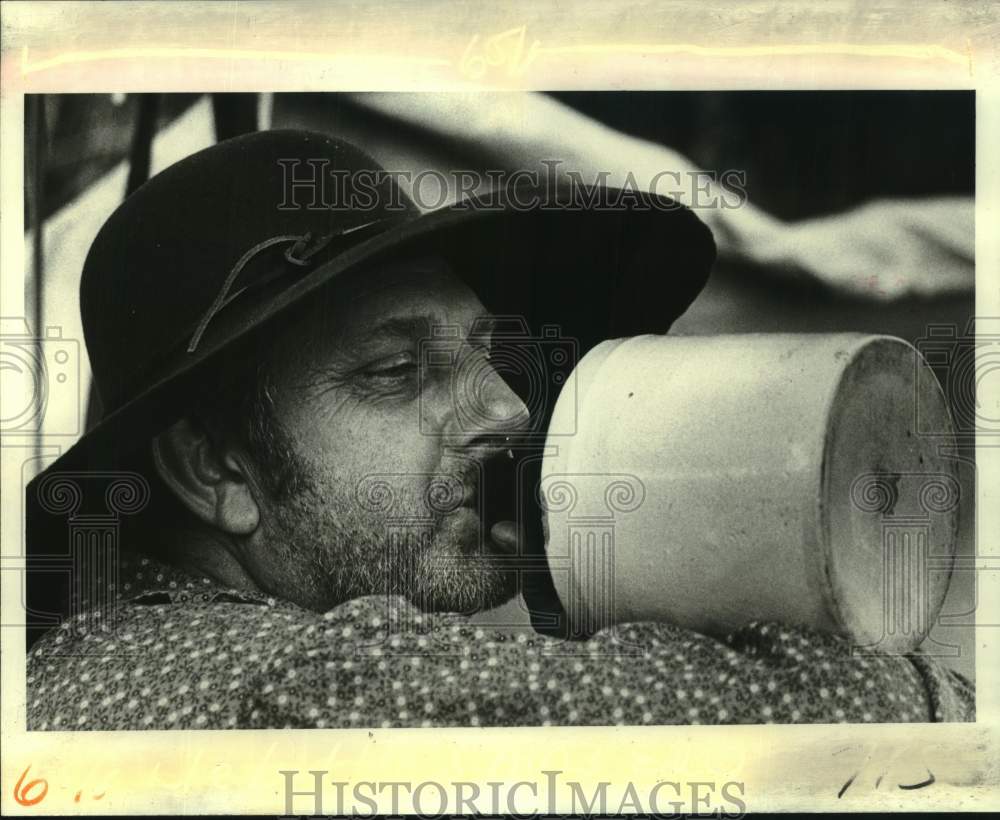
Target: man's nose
column 486, row 405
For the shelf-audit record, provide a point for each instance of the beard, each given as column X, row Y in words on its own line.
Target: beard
column 339, row 540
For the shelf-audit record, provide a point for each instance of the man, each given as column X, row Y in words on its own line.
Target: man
column 309, row 383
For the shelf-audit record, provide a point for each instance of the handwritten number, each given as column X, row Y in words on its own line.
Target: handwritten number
column 23, row 795
column 922, row 784
column 472, row 65
column 506, row 49
column 847, row 785
column 22, row 790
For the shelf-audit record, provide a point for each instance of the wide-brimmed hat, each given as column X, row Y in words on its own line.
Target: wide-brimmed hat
column 216, row 247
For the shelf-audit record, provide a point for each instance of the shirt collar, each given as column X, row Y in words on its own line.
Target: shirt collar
column 142, row 577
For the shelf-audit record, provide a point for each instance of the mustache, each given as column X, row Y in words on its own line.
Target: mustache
column 465, row 478
column 495, row 487
column 480, row 469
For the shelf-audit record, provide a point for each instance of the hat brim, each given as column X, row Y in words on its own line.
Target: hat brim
column 594, row 273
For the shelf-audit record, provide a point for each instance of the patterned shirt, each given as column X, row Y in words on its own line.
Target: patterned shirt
column 189, row 654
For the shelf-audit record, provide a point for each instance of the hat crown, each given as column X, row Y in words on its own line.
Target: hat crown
column 163, row 257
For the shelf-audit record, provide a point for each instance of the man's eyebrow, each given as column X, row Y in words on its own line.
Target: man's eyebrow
column 405, row 327
column 425, row 327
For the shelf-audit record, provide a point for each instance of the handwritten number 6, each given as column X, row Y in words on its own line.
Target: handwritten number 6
column 22, row 792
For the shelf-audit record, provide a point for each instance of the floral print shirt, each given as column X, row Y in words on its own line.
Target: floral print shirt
column 187, row 653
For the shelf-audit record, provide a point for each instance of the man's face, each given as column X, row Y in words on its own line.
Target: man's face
column 389, row 453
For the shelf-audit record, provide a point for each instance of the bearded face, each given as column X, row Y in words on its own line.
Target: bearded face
column 393, row 464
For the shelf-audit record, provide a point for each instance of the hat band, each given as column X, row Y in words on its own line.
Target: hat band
column 300, row 254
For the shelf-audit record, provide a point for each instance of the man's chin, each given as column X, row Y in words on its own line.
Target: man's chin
column 465, row 585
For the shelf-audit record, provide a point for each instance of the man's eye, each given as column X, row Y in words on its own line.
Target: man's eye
column 392, row 369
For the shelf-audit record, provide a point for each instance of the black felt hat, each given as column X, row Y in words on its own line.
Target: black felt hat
column 217, row 246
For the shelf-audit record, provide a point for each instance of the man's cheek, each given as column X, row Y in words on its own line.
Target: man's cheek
column 394, row 485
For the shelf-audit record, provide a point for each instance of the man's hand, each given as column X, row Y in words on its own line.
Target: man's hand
column 885, row 250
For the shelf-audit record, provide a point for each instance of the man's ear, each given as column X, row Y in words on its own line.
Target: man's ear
column 210, row 482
